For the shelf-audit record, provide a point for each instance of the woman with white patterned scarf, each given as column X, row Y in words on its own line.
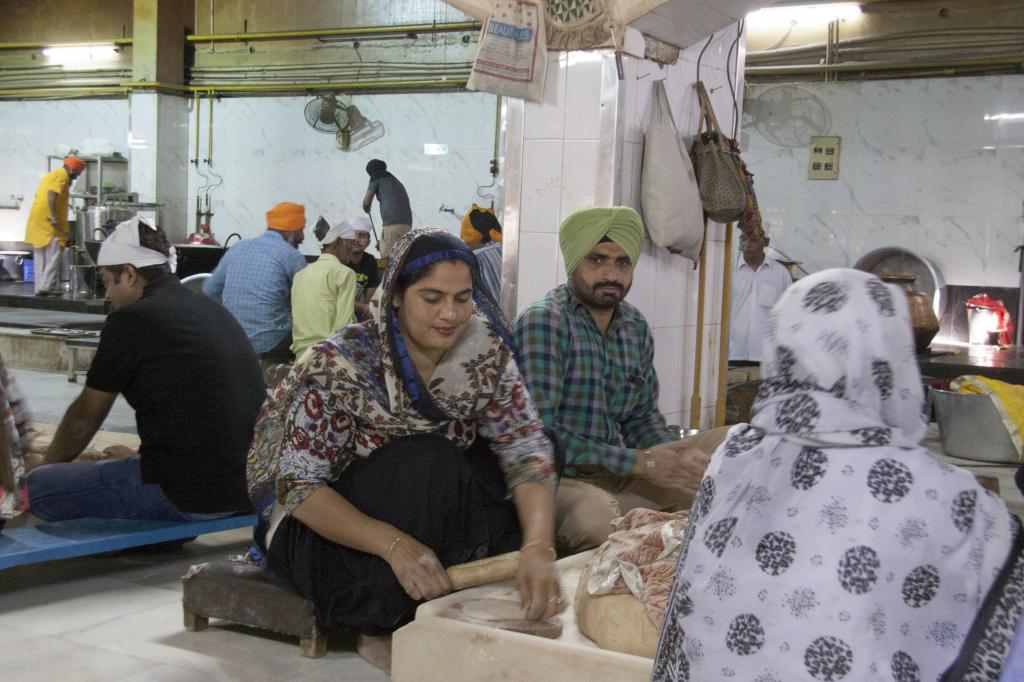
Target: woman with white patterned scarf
column 826, row 543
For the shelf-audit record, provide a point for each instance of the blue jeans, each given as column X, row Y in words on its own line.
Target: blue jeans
column 110, row 489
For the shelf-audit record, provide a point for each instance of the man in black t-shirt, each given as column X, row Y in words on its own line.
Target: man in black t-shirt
column 186, row 367
column 365, row 266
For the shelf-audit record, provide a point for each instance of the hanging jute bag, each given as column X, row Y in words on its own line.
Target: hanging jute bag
column 722, row 190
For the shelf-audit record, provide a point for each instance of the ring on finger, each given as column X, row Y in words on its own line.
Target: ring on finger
column 555, row 600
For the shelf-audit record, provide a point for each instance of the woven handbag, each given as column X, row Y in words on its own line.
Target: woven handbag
column 722, row 190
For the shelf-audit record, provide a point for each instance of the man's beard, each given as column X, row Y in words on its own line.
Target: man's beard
column 599, row 298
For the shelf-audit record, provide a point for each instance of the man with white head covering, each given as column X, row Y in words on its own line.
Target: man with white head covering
column 324, row 292
column 588, row 359
column 184, row 364
column 364, row 265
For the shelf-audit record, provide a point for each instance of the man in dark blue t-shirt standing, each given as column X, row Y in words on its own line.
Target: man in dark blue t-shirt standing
column 182, row 361
column 395, row 214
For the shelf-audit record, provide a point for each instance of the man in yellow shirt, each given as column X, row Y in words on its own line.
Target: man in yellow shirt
column 47, row 227
column 324, row 292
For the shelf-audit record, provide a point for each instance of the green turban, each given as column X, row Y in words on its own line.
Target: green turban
column 581, row 232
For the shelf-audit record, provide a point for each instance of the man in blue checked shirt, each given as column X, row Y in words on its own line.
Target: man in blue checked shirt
column 254, row 281
column 588, row 359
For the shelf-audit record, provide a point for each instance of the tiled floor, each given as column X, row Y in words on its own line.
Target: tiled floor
column 49, row 395
column 119, row 618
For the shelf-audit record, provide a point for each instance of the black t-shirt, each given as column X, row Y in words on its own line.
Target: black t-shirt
column 367, row 275
column 183, row 362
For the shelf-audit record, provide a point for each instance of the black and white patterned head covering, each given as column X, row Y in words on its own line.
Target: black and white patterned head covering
column 825, row 543
column 839, row 364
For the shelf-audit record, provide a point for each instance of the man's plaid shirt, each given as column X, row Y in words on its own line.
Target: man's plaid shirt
column 598, row 393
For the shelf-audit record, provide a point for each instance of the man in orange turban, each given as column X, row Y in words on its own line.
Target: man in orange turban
column 254, row 281
column 47, row 227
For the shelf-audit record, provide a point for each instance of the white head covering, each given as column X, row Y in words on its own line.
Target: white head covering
column 360, row 224
column 825, row 543
column 122, row 247
column 341, row 228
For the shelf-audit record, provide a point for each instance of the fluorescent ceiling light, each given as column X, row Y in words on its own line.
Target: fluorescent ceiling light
column 1005, row 117
column 773, row 17
column 80, row 54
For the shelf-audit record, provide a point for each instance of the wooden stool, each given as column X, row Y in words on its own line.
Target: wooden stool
column 240, row 593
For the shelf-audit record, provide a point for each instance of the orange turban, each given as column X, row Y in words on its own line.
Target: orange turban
column 287, row 217
column 74, row 163
column 480, row 226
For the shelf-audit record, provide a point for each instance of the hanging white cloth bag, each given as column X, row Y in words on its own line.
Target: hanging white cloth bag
column 673, row 212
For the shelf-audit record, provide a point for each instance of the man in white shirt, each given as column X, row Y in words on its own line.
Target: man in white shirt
column 757, row 284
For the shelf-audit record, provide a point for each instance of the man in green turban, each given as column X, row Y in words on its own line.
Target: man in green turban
column 588, row 359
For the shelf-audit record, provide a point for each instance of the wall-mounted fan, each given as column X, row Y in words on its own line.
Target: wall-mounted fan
column 352, row 130
column 786, row 115
column 326, row 114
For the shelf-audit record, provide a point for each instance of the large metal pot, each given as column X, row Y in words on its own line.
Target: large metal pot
column 92, row 218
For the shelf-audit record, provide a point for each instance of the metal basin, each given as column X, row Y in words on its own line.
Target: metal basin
column 970, row 427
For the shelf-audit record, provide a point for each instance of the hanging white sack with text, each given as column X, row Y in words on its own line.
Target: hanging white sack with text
column 512, row 57
column 669, row 196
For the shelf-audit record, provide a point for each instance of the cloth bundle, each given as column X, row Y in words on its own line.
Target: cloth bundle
column 639, row 558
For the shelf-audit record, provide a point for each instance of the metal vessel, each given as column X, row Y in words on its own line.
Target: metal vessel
column 893, row 260
column 92, row 225
column 971, row 428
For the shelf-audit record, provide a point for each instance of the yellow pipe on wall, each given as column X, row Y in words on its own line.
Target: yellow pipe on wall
column 195, row 104
column 126, row 88
column 334, row 86
column 209, row 128
column 41, row 46
column 849, row 67
column 29, row 92
column 365, row 31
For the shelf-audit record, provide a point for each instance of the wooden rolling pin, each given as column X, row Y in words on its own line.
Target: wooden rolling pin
column 483, row 571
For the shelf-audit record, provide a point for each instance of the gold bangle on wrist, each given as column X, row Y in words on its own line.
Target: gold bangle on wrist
column 546, row 544
column 392, row 547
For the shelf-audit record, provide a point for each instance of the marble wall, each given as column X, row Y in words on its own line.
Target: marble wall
column 931, row 165
column 266, row 153
column 263, row 150
column 159, row 157
column 31, row 130
column 570, row 160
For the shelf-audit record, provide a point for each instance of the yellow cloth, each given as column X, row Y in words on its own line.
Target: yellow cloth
column 1007, row 398
column 287, row 217
column 582, row 231
column 323, row 298
column 38, row 231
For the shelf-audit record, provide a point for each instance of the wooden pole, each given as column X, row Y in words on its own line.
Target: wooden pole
column 698, row 356
column 723, row 343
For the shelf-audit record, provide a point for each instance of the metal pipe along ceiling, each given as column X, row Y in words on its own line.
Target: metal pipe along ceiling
column 356, row 32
